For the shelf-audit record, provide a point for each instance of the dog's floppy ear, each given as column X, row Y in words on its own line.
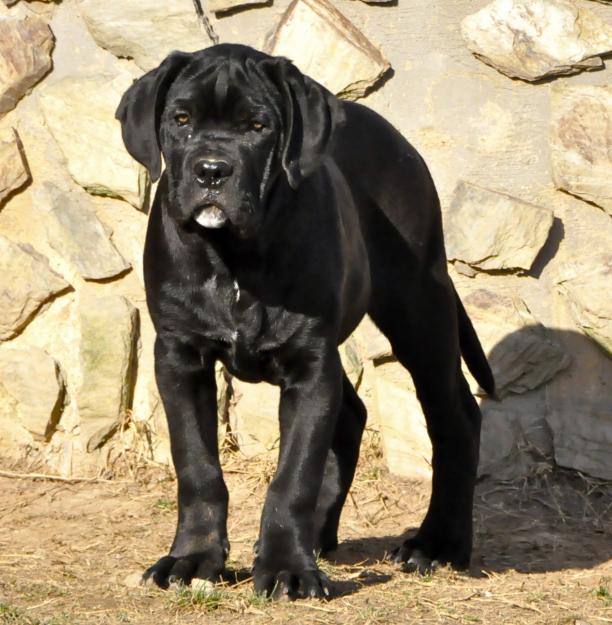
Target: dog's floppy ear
column 140, row 110
column 311, row 114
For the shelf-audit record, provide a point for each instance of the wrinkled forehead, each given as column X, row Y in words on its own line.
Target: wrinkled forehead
column 221, row 86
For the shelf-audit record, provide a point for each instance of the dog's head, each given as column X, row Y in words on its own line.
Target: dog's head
column 229, row 121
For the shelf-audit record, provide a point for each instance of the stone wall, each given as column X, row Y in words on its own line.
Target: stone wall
column 509, row 102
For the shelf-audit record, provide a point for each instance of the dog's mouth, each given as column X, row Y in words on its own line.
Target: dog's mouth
column 210, row 216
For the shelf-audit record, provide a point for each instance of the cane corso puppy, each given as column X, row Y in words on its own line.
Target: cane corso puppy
column 282, row 217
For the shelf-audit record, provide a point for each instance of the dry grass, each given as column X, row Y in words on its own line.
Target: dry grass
column 71, row 553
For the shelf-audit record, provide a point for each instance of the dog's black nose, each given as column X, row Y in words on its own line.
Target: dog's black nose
column 212, row 173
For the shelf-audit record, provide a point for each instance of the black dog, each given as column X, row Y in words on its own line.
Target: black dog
column 283, row 216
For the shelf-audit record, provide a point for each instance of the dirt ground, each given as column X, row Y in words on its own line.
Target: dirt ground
column 72, row 553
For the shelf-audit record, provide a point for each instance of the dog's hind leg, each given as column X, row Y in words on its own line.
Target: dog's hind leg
column 423, row 334
column 339, row 468
column 414, row 304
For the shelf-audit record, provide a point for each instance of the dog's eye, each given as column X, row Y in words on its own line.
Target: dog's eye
column 181, row 119
column 257, row 125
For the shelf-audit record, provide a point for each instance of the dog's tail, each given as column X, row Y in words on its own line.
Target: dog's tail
column 472, row 352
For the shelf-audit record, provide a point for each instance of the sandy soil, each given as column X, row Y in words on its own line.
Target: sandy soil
column 72, row 553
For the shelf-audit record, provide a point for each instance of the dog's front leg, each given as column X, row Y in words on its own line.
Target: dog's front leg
column 309, row 406
column 188, row 390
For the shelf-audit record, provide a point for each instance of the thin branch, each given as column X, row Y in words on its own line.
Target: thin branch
column 59, row 478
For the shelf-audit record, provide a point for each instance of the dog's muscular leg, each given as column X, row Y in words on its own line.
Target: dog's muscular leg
column 339, row 468
column 309, row 407
column 422, row 330
column 188, row 392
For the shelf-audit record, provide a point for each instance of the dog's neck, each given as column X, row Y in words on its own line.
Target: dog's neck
column 245, row 261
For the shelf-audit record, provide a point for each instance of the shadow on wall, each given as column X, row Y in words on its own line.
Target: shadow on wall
column 556, row 404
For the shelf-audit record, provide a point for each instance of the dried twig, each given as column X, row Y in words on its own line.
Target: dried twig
column 58, row 478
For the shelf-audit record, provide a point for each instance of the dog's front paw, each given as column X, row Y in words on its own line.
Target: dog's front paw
column 182, row 569
column 291, row 583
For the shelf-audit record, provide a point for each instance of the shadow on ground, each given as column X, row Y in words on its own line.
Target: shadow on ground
column 549, row 521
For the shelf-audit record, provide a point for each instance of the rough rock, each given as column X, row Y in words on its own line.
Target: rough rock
column 80, row 113
column 325, row 45
column 15, row 440
column 371, row 341
column 505, row 450
column 25, row 57
column 128, row 228
column 522, row 353
column 108, row 344
column 75, row 233
column 491, row 231
column 532, row 39
column 13, row 167
column 582, row 440
column 219, row 6
column 147, row 36
column 36, row 383
column 586, row 285
column 578, row 401
column 406, row 444
column 580, row 142
column 253, row 417
column 351, row 361
column 27, row 283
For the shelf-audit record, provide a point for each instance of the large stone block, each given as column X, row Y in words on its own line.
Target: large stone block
column 253, row 417
column 406, row 444
column 147, row 35
column 36, row 383
column 581, row 136
column 370, row 341
column 25, row 57
column 27, row 283
column 15, row 440
column 583, row 440
column 80, row 112
column 325, row 45
column 579, row 403
column 108, row 344
column 13, row 168
column 75, row 233
column 505, row 451
column 532, row 39
column 492, row 231
column 351, row 361
column 586, row 285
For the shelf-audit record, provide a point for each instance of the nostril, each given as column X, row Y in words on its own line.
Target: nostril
column 210, row 172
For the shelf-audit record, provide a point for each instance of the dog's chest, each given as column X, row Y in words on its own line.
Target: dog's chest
column 243, row 332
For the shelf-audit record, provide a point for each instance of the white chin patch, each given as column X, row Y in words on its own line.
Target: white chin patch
column 211, row 217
